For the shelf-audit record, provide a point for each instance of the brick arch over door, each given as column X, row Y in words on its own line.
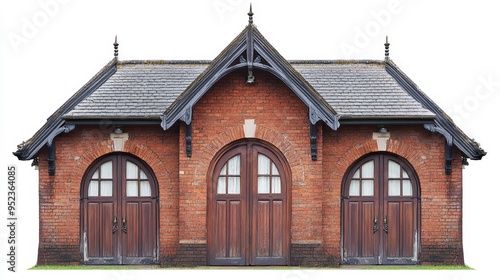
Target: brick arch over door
column 236, row 133
column 354, row 153
column 135, row 148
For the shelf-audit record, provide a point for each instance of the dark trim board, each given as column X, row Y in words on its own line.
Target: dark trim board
column 385, row 121
column 111, row 122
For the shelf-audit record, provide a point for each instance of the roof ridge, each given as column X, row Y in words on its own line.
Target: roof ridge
column 292, row 61
column 161, row 61
column 336, row 61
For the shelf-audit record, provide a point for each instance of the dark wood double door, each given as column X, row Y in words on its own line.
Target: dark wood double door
column 380, row 212
column 248, row 211
column 119, row 212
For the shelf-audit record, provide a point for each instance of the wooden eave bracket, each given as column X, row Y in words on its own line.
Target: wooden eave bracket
column 313, row 137
column 314, row 118
column 313, row 133
column 448, row 154
column 189, row 140
column 187, row 118
column 52, row 147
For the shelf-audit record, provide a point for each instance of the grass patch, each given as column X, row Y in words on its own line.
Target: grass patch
column 95, row 267
column 407, row 267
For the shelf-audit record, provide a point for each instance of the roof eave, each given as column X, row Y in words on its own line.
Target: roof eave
column 110, row 122
column 29, row 150
column 469, row 147
column 385, row 120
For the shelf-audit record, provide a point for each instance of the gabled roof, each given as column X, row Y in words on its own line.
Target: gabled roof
column 252, row 51
column 164, row 92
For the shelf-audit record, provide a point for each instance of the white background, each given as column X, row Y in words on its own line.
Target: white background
column 450, row 49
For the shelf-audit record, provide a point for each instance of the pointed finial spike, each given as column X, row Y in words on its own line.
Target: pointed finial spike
column 116, row 46
column 386, row 47
column 250, row 15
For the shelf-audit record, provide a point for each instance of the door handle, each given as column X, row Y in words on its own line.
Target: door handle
column 124, row 225
column 375, row 224
column 386, row 227
column 115, row 224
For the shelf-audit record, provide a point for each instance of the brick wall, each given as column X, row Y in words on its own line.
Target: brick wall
column 281, row 119
column 60, row 195
column 441, row 195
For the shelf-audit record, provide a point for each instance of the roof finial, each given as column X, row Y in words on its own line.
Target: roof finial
column 250, row 15
column 386, row 47
column 116, row 46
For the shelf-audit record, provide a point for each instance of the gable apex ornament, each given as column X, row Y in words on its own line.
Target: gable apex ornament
column 115, row 44
column 250, row 48
column 250, row 15
column 387, row 47
column 251, row 51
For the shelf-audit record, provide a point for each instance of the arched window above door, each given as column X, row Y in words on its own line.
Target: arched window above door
column 399, row 182
column 268, row 176
column 229, row 177
column 101, row 183
column 362, row 182
column 365, row 175
column 137, row 181
column 136, row 178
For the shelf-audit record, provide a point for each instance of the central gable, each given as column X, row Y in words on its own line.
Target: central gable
column 268, row 104
column 250, row 51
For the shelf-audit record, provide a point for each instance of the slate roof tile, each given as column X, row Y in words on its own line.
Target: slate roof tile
column 360, row 89
column 138, row 90
column 145, row 89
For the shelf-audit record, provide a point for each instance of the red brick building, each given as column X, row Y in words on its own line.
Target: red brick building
column 250, row 159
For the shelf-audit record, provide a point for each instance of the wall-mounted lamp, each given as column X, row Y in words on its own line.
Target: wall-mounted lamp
column 118, row 130
column 383, row 129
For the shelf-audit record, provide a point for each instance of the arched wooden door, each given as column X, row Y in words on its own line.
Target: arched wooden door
column 380, row 212
column 119, row 213
column 248, row 207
